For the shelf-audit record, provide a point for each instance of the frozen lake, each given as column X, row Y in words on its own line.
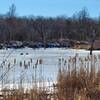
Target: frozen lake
column 33, row 65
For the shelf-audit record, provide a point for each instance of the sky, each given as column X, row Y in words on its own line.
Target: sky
column 51, row 8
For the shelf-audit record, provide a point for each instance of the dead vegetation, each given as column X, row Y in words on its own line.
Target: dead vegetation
column 81, row 84
column 78, row 79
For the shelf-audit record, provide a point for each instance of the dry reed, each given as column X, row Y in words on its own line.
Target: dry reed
column 78, row 79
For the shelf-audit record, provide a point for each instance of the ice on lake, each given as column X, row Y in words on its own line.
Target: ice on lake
column 33, row 65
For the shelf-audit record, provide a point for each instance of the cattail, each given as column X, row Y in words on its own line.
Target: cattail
column 62, row 59
column 33, row 67
column 40, row 61
column 69, row 60
column 86, row 59
column 28, row 63
column 74, row 59
column 20, row 64
column 25, row 66
column 81, row 60
column 95, row 58
column 15, row 61
column 37, row 62
column 3, row 62
column 8, row 66
column 65, row 62
column 24, row 62
column 59, row 61
column 31, row 60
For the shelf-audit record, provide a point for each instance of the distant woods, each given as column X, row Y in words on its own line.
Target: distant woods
column 30, row 28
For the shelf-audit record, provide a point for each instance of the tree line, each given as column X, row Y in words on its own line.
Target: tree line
column 80, row 26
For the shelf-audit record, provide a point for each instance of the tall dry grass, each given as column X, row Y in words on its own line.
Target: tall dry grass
column 79, row 81
column 32, row 94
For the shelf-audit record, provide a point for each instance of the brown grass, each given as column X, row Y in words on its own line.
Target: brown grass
column 81, row 84
column 32, row 94
column 78, row 79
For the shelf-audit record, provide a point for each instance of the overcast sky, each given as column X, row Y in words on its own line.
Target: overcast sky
column 51, row 7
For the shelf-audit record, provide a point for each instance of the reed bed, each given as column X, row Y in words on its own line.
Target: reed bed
column 32, row 94
column 78, row 79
